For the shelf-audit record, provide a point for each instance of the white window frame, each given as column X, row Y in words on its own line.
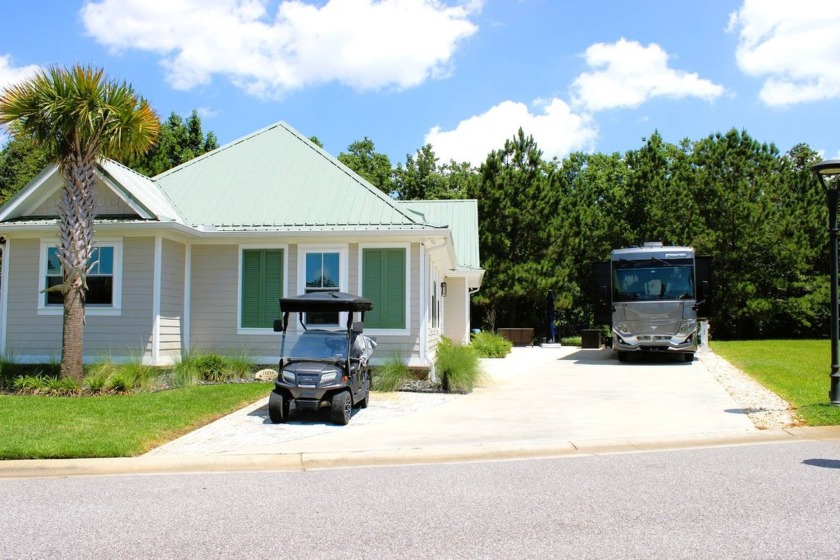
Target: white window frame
column 407, row 246
column 251, row 330
column 115, row 309
column 343, row 251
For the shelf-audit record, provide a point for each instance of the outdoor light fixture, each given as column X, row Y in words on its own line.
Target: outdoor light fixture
column 825, row 172
column 443, row 289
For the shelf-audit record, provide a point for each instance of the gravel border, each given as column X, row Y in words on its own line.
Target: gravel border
column 766, row 409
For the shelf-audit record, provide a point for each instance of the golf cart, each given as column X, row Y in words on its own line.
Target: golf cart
column 320, row 367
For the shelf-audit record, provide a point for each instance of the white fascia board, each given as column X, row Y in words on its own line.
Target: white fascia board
column 14, row 209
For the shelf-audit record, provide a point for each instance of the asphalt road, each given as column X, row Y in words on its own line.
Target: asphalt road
column 755, row 501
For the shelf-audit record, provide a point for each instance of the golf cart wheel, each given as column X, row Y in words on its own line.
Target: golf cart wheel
column 689, row 357
column 342, row 406
column 278, row 408
column 623, row 356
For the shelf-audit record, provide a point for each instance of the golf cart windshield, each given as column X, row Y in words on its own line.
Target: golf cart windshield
column 315, row 345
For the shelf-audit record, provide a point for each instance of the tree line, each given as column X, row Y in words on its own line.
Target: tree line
column 542, row 223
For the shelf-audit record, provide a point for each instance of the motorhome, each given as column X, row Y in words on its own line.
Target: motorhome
column 653, row 297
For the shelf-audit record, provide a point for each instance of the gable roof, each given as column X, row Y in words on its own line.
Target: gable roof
column 276, row 178
column 137, row 191
column 460, row 216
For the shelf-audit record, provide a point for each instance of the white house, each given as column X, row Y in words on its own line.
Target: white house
column 198, row 257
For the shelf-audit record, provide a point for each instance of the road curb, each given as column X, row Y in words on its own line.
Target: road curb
column 146, row 464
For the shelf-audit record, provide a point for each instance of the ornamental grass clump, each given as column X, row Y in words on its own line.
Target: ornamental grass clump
column 490, row 345
column 458, row 367
column 198, row 367
column 391, row 375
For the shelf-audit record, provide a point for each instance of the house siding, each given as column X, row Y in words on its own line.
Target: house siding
column 107, row 203
column 172, row 300
column 38, row 337
column 214, row 306
column 456, row 311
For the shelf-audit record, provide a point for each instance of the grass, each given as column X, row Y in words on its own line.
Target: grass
column 392, row 374
column 490, row 345
column 796, row 370
column 458, row 367
column 34, row 427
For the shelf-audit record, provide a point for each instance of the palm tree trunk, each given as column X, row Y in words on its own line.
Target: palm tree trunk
column 72, row 348
column 76, row 212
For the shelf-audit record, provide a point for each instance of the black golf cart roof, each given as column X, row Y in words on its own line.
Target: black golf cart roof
column 325, row 301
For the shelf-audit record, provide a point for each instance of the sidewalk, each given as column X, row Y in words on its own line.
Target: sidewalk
column 536, row 403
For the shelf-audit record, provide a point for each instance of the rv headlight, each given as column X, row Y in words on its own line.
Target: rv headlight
column 622, row 328
column 687, row 327
column 328, row 377
column 288, row 377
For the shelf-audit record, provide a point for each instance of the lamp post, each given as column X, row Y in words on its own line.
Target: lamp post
column 824, row 171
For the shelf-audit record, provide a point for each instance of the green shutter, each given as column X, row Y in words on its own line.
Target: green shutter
column 383, row 282
column 262, row 287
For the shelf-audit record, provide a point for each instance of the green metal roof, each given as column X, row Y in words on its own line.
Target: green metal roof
column 276, row 178
column 461, row 216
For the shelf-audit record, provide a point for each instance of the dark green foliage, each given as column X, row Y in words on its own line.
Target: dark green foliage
column 490, row 345
column 20, row 162
column 179, row 142
column 519, row 216
column 457, row 366
column 362, row 157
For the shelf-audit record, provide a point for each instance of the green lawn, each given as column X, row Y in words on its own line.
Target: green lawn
column 796, row 370
column 35, row 427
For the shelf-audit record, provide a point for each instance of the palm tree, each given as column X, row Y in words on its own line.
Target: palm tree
column 78, row 116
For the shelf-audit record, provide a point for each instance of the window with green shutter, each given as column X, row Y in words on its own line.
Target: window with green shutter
column 262, row 287
column 383, row 282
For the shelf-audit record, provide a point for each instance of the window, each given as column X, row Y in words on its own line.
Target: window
column 384, row 283
column 262, row 287
column 103, row 279
column 322, row 275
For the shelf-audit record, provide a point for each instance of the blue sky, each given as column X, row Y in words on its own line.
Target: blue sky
column 463, row 75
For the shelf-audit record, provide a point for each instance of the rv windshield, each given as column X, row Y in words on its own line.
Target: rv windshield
column 316, row 345
column 652, row 281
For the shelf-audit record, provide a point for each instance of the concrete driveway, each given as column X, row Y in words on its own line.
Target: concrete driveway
column 536, row 402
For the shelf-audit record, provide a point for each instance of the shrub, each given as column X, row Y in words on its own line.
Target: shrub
column 40, row 384
column 240, row 365
column 195, row 367
column 30, row 384
column 96, row 375
column 457, row 366
column 571, row 341
column 490, row 345
column 391, row 375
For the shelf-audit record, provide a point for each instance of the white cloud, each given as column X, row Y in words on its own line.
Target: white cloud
column 796, row 46
column 556, row 129
column 366, row 44
column 11, row 75
column 626, row 74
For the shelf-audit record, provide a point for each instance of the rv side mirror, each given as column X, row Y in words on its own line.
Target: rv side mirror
column 358, row 327
column 704, row 289
column 278, row 325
